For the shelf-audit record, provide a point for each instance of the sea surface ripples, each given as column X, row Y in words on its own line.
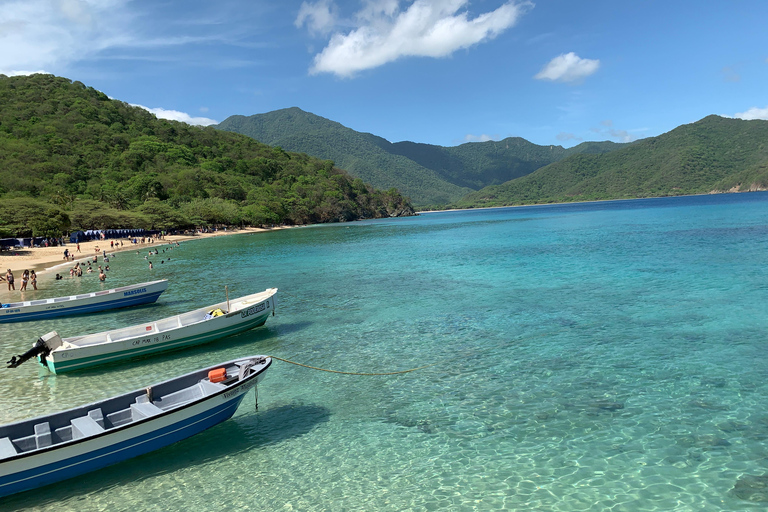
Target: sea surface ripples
column 605, row 356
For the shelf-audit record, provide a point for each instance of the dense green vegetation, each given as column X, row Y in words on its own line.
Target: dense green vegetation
column 71, row 158
column 715, row 154
column 430, row 175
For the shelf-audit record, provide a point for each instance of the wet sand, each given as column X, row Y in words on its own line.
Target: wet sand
column 43, row 259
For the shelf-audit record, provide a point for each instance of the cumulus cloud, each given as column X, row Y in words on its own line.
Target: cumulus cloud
column 175, row 115
column 384, row 32
column 753, row 113
column 568, row 67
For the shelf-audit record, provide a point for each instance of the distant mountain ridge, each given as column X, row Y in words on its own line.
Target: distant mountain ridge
column 430, row 175
column 715, row 154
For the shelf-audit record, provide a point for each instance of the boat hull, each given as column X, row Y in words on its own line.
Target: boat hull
column 144, row 293
column 111, row 447
column 153, row 341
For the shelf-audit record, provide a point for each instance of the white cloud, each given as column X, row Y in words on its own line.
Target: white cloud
column 319, row 17
column 568, row 67
column 384, row 32
column 753, row 113
column 17, row 72
column 52, row 34
column 47, row 34
column 479, row 138
column 175, row 115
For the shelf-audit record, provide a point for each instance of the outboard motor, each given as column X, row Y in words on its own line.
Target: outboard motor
column 42, row 348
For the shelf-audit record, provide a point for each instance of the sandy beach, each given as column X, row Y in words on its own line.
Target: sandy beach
column 43, row 259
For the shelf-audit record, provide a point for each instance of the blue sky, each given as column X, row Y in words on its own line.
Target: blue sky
column 435, row 71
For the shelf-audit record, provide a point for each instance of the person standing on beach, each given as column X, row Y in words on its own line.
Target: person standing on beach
column 78, row 246
column 66, row 254
column 33, row 279
column 9, row 278
column 24, row 279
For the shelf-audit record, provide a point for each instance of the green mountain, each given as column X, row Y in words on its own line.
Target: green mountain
column 71, row 158
column 715, row 154
column 430, row 175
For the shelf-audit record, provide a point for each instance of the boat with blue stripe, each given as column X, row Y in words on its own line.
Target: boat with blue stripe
column 59, row 446
column 122, row 297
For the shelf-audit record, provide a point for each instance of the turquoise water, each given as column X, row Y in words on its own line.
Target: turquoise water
column 605, row 356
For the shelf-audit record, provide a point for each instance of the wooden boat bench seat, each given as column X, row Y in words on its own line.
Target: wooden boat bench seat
column 6, row 448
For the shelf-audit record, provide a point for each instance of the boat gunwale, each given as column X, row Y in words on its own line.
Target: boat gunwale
column 82, row 296
column 140, row 421
column 73, row 340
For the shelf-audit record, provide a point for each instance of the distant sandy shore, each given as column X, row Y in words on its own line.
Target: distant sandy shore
column 42, row 259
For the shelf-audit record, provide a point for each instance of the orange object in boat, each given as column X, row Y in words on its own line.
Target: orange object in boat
column 217, row 375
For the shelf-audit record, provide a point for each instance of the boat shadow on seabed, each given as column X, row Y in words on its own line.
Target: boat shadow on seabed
column 244, row 432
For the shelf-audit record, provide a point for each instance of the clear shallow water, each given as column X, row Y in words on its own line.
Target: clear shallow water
column 606, row 356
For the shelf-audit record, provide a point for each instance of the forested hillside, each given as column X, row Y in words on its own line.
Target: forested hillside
column 715, row 154
column 430, row 175
column 71, row 158
column 360, row 154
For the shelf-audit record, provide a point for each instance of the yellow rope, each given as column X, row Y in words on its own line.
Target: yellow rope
column 350, row 373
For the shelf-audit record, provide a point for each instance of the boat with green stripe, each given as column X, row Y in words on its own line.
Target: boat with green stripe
column 60, row 355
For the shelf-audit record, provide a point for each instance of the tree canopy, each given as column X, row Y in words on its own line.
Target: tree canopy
column 72, row 158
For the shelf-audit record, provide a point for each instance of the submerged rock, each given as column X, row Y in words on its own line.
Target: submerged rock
column 606, row 405
column 752, row 488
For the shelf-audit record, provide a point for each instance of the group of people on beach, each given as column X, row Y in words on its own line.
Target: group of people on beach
column 30, row 277
column 27, row 277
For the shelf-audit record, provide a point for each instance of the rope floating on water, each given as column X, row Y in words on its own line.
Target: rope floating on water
column 324, row 305
column 350, row 373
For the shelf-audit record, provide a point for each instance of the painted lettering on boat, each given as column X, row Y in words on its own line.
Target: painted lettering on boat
column 134, row 292
column 151, row 339
column 239, row 390
column 11, row 310
column 253, row 310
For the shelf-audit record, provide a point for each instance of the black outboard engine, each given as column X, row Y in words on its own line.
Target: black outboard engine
column 42, row 348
